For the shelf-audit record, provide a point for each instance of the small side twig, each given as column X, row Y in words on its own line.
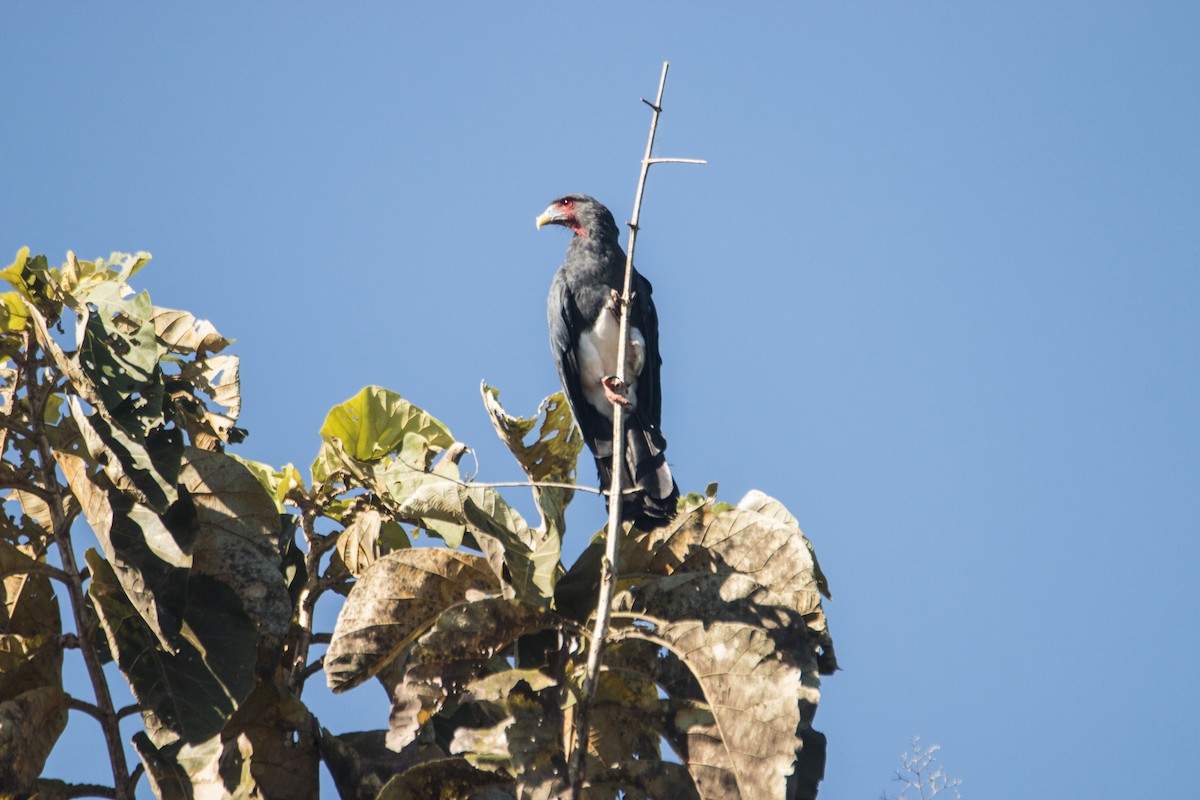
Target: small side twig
column 610, row 563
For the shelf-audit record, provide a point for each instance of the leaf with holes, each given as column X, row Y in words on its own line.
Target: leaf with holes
column 550, row 458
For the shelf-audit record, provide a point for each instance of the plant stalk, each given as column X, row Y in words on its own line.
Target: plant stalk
column 610, row 564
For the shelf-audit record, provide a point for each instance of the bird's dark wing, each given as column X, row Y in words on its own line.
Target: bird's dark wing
column 566, row 326
column 649, row 389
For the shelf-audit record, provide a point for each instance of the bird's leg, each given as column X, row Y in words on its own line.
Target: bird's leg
column 614, row 390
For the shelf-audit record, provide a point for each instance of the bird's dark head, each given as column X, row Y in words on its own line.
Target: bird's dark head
column 584, row 215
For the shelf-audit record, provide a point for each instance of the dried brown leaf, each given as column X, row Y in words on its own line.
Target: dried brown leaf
column 399, row 597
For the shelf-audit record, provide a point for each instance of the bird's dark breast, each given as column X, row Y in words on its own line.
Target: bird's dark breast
column 592, row 271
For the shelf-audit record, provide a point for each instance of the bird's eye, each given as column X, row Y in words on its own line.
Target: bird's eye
column 566, row 203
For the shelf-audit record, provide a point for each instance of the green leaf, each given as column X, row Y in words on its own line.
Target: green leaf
column 13, row 316
column 147, row 558
column 147, row 468
column 532, row 575
column 119, row 351
column 12, row 273
column 395, row 600
column 238, row 541
column 532, row 562
column 277, row 482
column 375, row 422
column 190, row 694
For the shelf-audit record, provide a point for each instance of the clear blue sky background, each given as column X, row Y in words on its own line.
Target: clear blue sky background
column 937, row 290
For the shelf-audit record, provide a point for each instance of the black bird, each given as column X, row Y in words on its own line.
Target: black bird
column 584, row 334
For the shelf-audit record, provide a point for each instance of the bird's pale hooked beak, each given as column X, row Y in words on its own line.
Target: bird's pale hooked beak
column 550, row 216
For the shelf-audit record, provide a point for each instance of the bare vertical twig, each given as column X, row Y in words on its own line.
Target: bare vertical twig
column 609, row 565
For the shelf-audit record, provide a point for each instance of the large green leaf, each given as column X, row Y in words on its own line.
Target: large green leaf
column 147, row 558
column 268, row 749
column 375, row 422
column 119, row 352
column 277, row 482
column 144, row 467
column 238, row 538
column 189, row 694
column 398, row 598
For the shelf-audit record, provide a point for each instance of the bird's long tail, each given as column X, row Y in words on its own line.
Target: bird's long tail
column 645, row 468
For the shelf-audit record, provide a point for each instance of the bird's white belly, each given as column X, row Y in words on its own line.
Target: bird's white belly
column 597, row 358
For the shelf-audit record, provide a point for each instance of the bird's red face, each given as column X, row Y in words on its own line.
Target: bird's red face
column 563, row 212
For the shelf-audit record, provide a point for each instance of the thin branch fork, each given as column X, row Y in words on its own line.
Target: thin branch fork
column 609, row 565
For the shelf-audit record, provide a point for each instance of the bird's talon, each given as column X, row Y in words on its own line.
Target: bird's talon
column 614, row 390
column 614, row 303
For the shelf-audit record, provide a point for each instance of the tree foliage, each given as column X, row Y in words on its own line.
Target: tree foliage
column 198, row 573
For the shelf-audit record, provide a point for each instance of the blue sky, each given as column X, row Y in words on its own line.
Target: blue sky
column 936, row 290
